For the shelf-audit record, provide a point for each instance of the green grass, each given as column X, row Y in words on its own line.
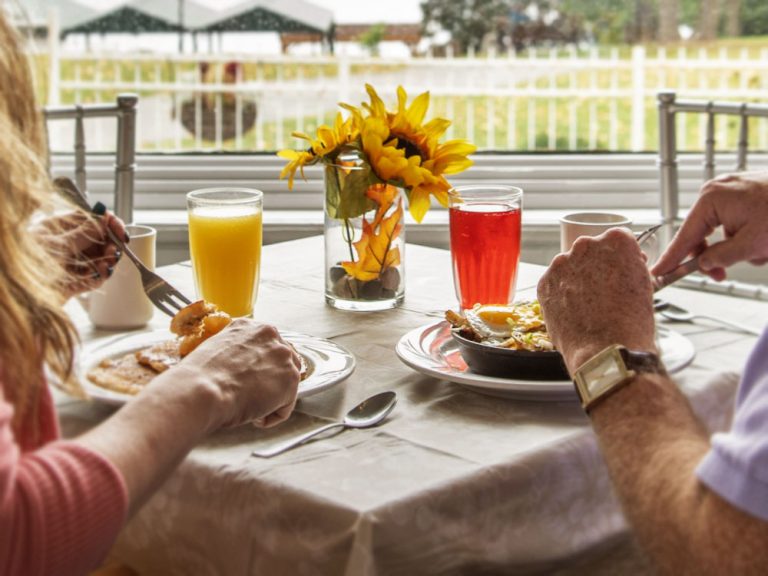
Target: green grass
column 592, row 118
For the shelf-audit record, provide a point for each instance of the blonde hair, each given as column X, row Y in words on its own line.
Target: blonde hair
column 34, row 330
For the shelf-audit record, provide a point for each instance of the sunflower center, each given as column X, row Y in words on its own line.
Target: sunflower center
column 410, row 148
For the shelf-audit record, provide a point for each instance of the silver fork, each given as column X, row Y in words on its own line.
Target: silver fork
column 164, row 296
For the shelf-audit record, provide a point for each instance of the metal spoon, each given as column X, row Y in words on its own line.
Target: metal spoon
column 366, row 414
column 678, row 314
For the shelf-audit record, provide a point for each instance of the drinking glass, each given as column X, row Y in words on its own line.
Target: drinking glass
column 225, row 230
column 485, row 226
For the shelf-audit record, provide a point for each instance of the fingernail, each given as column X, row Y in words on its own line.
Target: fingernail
column 99, row 209
column 96, row 275
column 118, row 255
column 110, row 271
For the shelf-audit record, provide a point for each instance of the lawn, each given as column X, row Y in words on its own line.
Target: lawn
column 577, row 113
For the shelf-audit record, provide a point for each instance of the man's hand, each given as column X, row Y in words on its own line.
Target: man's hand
column 738, row 202
column 596, row 295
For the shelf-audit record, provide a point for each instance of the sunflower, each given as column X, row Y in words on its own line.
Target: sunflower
column 402, row 150
column 330, row 139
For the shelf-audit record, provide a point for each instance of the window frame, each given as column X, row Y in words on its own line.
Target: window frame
column 554, row 184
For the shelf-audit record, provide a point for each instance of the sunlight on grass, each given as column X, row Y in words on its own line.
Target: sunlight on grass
column 572, row 111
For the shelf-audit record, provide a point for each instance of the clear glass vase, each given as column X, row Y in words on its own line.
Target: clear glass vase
column 364, row 239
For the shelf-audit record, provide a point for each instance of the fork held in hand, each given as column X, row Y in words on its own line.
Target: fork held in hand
column 164, row 296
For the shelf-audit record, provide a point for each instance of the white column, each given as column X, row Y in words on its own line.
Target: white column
column 54, row 77
column 638, row 98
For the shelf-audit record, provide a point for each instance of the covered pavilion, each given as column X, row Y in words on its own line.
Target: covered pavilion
column 199, row 16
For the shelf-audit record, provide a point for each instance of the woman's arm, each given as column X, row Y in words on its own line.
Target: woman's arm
column 245, row 373
column 62, row 506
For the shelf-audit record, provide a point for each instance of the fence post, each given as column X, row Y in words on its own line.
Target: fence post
column 638, row 98
column 344, row 73
column 54, row 77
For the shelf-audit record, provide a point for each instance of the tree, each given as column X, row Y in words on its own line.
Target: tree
column 467, row 21
column 732, row 10
column 372, row 37
column 645, row 21
column 709, row 18
column 754, row 17
column 669, row 20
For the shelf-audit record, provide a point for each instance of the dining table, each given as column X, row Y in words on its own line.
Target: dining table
column 463, row 477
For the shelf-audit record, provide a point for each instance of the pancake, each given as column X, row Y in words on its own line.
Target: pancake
column 161, row 356
column 124, row 374
column 194, row 324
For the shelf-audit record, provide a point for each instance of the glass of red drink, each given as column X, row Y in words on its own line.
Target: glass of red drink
column 485, row 224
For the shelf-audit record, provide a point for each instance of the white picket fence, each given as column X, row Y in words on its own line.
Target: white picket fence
column 545, row 100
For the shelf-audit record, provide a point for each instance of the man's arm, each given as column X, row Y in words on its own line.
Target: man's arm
column 652, row 443
column 599, row 294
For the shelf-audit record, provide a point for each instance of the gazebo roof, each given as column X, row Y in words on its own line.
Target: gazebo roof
column 197, row 13
column 163, row 16
column 272, row 16
column 126, row 16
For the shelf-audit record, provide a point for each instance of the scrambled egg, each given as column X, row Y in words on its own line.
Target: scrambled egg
column 518, row 326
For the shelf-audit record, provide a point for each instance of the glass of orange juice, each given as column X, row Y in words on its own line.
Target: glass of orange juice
column 225, row 244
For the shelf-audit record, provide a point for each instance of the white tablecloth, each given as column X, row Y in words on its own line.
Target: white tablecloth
column 454, row 482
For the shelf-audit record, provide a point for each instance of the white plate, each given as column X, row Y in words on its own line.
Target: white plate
column 431, row 350
column 328, row 362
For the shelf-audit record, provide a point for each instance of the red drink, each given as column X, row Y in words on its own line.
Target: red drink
column 485, row 248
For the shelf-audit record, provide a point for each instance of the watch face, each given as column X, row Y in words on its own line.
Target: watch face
column 600, row 374
column 603, row 375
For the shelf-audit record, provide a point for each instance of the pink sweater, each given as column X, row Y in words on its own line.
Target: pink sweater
column 61, row 505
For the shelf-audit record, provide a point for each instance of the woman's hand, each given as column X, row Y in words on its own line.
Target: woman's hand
column 81, row 244
column 738, row 202
column 252, row 371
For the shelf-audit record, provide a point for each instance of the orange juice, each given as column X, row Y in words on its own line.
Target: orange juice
column 225, row 244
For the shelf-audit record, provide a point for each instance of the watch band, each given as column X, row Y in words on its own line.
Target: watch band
column 611, row 369
column 642, row 361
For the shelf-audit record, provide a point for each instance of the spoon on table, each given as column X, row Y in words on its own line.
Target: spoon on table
column 368, row 413
column 677, row 314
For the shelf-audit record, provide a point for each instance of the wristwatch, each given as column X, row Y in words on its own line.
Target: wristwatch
column 609, row 370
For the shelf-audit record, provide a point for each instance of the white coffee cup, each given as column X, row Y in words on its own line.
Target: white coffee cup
column 579, row 224
column 120, row 303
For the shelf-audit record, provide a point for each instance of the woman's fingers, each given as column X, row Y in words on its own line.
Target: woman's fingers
column 278, row 416
column 117, row 226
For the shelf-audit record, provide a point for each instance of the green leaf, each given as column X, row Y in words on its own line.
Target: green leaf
column 345, row 191
column 332, row 190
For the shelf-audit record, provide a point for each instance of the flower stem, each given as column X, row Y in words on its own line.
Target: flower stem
column 348, row 235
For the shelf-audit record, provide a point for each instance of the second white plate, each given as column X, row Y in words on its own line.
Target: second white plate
column 432, row 350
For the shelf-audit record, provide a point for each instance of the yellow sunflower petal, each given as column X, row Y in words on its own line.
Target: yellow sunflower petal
column 418, row 203
column 451, row 164
column 437, row 127
column 377, row 104
column 418, row 109
column 302, row 136
column 458, row 147
column 356, row 120
column 402, row 99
